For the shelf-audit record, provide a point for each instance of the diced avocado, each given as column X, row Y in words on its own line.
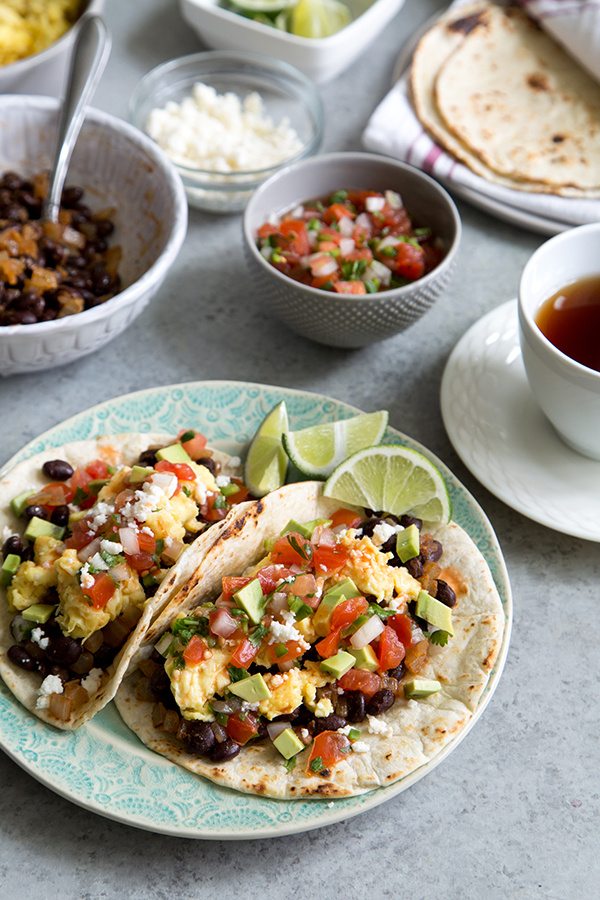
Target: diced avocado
column 339, row 664
column 252, row 600
column 39, row 613
column 174, row 453
column 288, row 743
column 421, row 687
column 341, row 591
column 228, row 490
column 18, row 503
column 354, row 626
column 408, row 543
column 252, row 689
column 9, row 567
column 434, row 612
column 40, row 527
column 365, row 659
column 139, row 473
column 305, row 530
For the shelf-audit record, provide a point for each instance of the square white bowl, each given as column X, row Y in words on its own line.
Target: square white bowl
column 319, row 58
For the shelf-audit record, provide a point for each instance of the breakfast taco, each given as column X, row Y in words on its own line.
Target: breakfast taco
column 98, row 535
column 318, row 651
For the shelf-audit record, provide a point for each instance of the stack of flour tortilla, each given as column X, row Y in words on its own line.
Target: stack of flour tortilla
column 499, row 95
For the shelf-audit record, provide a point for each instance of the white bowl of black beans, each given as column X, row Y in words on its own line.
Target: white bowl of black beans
column 68, row 291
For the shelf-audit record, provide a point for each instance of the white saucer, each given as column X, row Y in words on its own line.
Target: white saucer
column 501, row 435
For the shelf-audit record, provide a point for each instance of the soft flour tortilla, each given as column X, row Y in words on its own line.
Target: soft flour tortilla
column 438, row 50
column 419, row 729
column 122, row 449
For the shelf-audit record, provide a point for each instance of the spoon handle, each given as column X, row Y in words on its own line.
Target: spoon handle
column 90, row 55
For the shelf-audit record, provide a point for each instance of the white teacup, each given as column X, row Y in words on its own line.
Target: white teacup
column 567, row 392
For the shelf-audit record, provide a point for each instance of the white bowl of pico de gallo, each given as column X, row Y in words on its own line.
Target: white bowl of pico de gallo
column 351, row 248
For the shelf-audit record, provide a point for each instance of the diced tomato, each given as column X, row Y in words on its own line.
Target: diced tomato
column 294, row 649
column 360, row 680
column 327, row 246
column 81, row 535
column 266, row 230
column 402, row 626
column 101, row 591
column 329, row 559
column 359, row 198
column 303, row 586
column 296, row 234
column 292, row 550
column 390, row 651
column 329, row 747
column 346, row 612
column 325, row 279
column 365, row 254
column 97, row 470
column 241, row 730
column 361, row 234
column 194, row 651
column 349, row 287
column 331, row 234
column 410, row 261
column 329, row 646
column 195, row 446
column 141, row 562
column 212, row 513
column 397, row 220
column 56, row 493
column 231, row 584
column 146, row 542
column 243, row 654
column 181, row 470
column 270, row 576
column 347, row 517
column 336, row 212
column 240, row 495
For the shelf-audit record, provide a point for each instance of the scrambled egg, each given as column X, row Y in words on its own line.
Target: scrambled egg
column 34, row 578
column 75, row 615
column 307, row 629
column 174, row 518
column 290, row 689
column 194, row 686
column 29, row 26
column 367, row 567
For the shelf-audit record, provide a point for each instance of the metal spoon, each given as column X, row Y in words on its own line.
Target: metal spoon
column 90, row 55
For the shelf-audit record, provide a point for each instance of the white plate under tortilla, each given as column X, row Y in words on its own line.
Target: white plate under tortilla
column 502, row 436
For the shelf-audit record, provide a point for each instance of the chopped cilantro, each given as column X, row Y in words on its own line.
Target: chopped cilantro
column 186, row 491
column 290, row 764
column 300, row 609
column 316, row 764
column 354, row 734
column 338, row 197
column 160, row 546
column 372, row 285
column 314, row 225
column 256, row 636
column 439, row 638
column 376, row 610
column 236, row 674
column 228, row 489
column 222, row 718
column 388, row 251
column 304, row 551
column 178, row 661
column 220, row 502
column 80, row 496
column 112, row 559
column 280, row 650
column 188, row 626
column 422, row 232
column 187, row 436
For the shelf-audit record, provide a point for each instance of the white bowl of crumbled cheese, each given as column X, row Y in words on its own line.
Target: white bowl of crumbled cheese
column 228, row 121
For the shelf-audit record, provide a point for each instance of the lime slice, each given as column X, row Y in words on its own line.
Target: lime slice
column 263, row 6
column 266, row 462
column 317, row 451
column 394, row 479
column 319, row 18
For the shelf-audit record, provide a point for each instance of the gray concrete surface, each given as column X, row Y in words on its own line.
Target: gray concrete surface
column 514, row 811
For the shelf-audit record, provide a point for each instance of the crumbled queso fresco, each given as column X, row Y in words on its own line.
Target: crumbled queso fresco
column 221, row 132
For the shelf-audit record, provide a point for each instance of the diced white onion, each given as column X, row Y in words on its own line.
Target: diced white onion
column 347, row 245
column 120, row 573
column 364, row 221
column 367, row 633
column 380, row 271
column 325, row 265
column 266, row 251
column 220, row 706
column 388, row 241
column 298, row 212
column 417, row 634
column 287, row 665
column 223, row 624
column 163, row 644
column 129, row 541
column 346, row 226
column 279, row 602
column 313, row 237
column 393, row 199
column 327, row 538
column 166, row 481
column 275, row 728
column 374, row 204
column 89, row 550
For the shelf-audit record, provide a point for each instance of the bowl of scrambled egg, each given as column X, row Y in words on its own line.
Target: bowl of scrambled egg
column 36, row 37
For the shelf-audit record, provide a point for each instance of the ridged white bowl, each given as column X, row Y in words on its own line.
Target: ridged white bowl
column 117, row 166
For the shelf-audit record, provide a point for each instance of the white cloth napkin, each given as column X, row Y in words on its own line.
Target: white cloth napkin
column 395, row 130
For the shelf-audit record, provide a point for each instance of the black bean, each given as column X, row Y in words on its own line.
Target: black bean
column 84, row 664
column 20, row 657
column 161, row 687
column 398, row 672
column 415, row 566
column 431, row 550
column 35, row 510
column 23, row 317
column 224, row 751
column 104, row 656
column 58, row 469
column 328, row 723
column 63, row 650
column 445, row 593
column 12, row 181
column 368, row 526
column 356, row 706
column 62, row 673
column 42, row 667
column 13, row 544
column 407, row 521
column 71, row 195
column 60, row 516
column 101, row 283
column 302, row 715
column 379, row 702
column 104, row 227
column 208, row 463
column 198, row 737
column 147, row 458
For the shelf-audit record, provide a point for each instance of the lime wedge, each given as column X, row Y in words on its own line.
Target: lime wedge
column 319, row 18
column 318, row 450
column 266, row 462
column 394, row 479
column 263, row 6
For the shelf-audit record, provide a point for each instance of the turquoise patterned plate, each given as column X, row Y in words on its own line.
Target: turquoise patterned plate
column 103, row 767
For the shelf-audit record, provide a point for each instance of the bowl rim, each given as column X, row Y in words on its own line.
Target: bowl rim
column 20, row 66
column 176, row 233
column 364, row 158
column 259, row 61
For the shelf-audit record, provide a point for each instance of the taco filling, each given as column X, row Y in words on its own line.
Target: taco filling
column 309, row 646
column 97, row 542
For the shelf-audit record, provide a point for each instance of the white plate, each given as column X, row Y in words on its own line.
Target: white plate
column 502, row 436
column 502, row 211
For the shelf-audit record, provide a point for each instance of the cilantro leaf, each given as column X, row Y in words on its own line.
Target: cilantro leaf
column 305, row 551
column 439, row 638
column 256, row 636
column 316, row 764
column 290, row 764
column 237, row 674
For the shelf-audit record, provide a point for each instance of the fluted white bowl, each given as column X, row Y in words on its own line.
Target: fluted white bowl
column 118, row 167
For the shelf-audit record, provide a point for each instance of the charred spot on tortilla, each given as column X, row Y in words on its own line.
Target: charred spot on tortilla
column 558, row 138
column 466, row 24
column 538, row 81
